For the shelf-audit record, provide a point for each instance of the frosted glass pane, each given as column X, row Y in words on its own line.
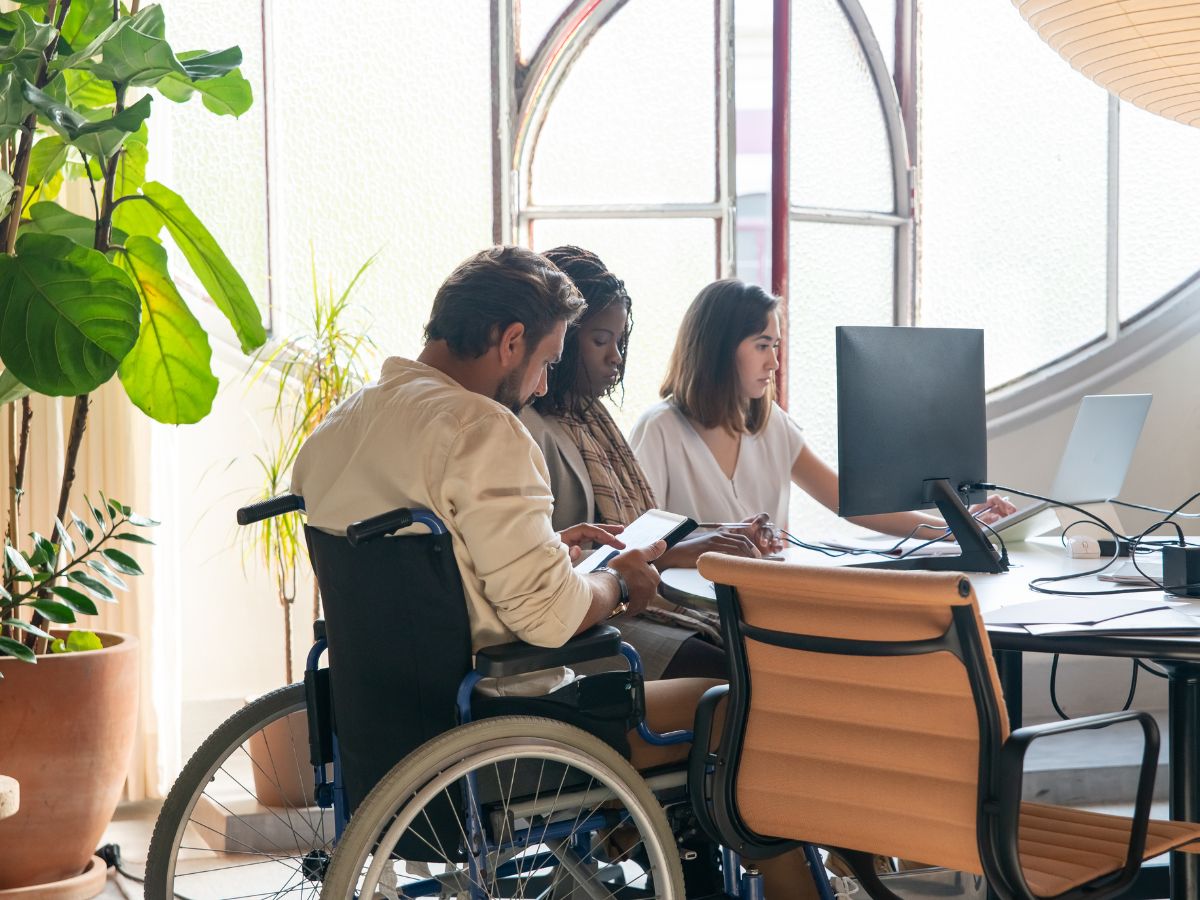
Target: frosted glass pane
column 1160, row 193
column 840, row 152
column 882, row 16
column 1012, row 188
column 536, row 18
column 840, row 275
column 404, row 172
column 664, row 264
column 635, row 119
column 218, row 163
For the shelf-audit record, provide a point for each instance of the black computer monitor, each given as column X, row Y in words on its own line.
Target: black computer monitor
column 912, row 432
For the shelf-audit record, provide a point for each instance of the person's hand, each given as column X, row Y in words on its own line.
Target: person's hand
column 577, row 536
column 684, row 554
column 640, row 577
column 761, row 531
column 993, row 509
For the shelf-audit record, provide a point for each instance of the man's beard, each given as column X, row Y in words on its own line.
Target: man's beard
column 508, row 392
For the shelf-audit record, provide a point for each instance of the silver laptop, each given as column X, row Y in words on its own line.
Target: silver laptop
column 1097, row 455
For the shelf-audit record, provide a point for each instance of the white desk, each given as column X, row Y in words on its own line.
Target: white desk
column 1180, row 656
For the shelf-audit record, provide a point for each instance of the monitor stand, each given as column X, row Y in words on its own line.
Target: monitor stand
column 978, row 555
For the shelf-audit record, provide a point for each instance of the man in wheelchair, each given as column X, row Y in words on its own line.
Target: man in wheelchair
column 441, row 433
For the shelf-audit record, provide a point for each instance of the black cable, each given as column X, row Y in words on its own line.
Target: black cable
column 1133, row 679
column 111, row 854
column 1037, row 584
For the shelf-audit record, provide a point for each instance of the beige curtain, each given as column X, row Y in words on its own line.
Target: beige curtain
column 115, row 459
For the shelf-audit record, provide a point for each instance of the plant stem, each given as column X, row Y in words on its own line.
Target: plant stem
column 287, row 640
column 105, row 214
column 22, row 456
column 20, row 173
column 74, row 442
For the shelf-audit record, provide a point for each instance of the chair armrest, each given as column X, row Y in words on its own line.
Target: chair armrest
column 518, row 658
column 701, row 757
column 1007, row 800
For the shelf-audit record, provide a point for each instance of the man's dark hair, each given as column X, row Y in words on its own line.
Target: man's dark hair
column 495, row 288
column 600, row 288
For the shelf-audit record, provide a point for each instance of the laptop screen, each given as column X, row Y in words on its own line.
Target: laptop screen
column 1100, row 447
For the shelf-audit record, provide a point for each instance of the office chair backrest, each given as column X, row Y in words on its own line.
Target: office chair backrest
column 852, row 722
column 399, row 644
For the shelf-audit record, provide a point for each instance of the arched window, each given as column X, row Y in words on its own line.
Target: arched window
column 1022, row 199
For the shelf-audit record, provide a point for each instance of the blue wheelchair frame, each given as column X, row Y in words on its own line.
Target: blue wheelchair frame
column 332, row 794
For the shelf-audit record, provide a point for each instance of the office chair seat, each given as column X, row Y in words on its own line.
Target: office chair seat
column 1063, row 848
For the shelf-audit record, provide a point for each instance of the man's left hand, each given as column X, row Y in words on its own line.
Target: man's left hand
column 577, row 536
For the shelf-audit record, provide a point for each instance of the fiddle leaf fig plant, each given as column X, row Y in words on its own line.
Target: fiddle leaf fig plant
column 87, row 294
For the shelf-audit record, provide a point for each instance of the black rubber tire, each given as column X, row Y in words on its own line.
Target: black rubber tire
column 481, row 743
column 197, row 775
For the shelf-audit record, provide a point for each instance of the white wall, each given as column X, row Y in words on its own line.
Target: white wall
column 1165, row 470
column 380, row 142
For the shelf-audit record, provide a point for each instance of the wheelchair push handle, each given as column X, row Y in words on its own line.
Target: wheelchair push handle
column 265, row 509
column 377, row 526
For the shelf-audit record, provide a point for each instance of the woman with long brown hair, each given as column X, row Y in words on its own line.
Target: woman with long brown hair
column 718, row 446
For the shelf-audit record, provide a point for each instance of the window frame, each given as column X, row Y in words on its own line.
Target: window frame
column 524, row 92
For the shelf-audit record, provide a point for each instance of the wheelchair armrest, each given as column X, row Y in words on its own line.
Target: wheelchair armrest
column 517, row 658
column 701, row 756
column 1006, row 805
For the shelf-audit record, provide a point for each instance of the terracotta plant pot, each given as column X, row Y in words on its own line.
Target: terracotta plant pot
column 67, row 733
column 283, row 775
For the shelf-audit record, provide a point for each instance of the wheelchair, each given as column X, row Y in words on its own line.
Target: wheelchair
column 387, row 774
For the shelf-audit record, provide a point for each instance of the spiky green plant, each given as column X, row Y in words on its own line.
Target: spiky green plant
column 319, row 366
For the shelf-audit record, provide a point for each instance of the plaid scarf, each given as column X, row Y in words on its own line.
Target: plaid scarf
column 618, row 483
column 622, row 494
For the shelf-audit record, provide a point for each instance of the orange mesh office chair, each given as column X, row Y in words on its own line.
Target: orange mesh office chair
column 865, row 714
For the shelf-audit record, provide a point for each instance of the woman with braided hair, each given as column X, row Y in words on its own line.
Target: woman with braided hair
column 596, row 478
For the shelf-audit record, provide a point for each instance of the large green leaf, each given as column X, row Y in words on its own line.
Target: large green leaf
column 101, row 137
column 210, row 264
column 168, row 374
column 201, row 65
column 46, row 158
column 22, row 36
column 229, row 95
column 70, row 315
column 11, row 388
column 133, row 51
column 86, row 21
column 85, row 89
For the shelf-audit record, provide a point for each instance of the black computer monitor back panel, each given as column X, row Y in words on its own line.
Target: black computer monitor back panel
column 910, row 408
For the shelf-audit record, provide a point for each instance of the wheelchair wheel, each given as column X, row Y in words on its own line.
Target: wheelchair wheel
column 509, row 807
column 236, row 826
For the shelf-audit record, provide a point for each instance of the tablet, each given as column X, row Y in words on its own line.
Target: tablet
column 652, row 525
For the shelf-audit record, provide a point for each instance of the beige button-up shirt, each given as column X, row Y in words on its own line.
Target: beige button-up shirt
column 417, row 438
